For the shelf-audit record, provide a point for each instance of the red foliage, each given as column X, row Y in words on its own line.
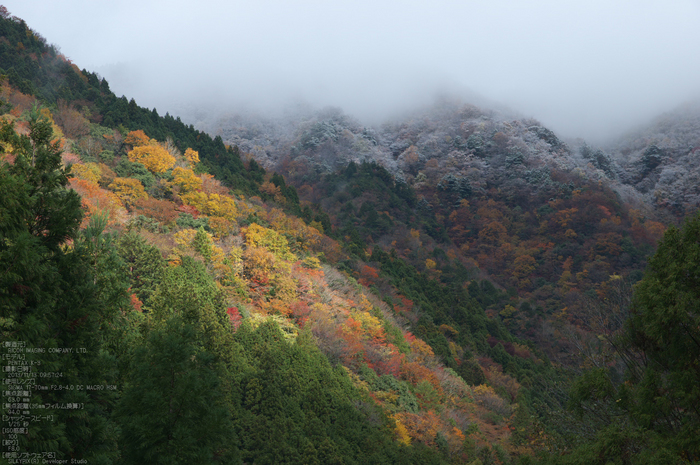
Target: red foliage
column 234, row 317
column 391, row 365
column 404, row 305
column 300, row 311
column 368, row 275
column 188, row 209
column 508, row 346
column 414, row 373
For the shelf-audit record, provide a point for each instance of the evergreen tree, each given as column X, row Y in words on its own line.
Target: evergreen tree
column 172, row 412
column 50, row 298
column 665, row 327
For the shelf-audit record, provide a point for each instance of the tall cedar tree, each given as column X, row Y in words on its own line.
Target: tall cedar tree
column 50, row 297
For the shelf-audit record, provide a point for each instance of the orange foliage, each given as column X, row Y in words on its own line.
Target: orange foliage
column 273, row 191
column 493, row 233
column 136, row 303
column 20, row 101
column 421, row 427
column 655, row 230
column 96, row 199
column 160, row 210
column 137, row 138
column 565, row 217
column 608, row 244
column 221, row 227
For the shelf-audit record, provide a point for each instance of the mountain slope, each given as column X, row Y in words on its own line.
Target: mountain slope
column 228, row 294
column 661, row 161
column 338, row 314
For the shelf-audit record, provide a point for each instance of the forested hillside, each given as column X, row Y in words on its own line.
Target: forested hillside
column 455, row 288
column 660, row 161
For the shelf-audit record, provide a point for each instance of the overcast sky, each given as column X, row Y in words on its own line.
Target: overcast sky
column 584, row 68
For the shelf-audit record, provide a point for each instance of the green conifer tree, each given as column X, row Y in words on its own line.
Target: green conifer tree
column 50, row 298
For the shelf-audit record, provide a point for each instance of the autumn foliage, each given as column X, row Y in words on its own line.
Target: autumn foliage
column 153, row 156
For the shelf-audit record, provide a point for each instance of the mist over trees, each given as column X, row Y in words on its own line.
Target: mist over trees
column 457, row 284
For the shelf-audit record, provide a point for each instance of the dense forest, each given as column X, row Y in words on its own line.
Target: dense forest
column 458, row 287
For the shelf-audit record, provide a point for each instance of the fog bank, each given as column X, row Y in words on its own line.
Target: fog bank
column 588, row 69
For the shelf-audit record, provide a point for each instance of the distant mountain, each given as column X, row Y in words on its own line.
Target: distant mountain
column 661, row 161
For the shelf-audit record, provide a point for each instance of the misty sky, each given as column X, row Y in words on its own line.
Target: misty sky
column 584, row 68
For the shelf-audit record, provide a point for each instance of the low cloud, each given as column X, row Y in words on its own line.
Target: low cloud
column 588, row 69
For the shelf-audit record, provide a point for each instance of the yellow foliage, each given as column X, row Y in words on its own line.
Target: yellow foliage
column 185, row 237
column 197, row 200
column 217, row 253
column 153, row 156
column 261, row 266
column 455, row 350
column 507, row 311
column 401, row 432
column 430, row 264
column 192, row 157
column 88, row 171
column 258, row 236
column 221, row 205
column 235, row 260
column 523, row 266
column 57, row 133
column 202, row 242
column 308, row 237
column 212, row 205
column 317, row 226
column 289, row 330
column 487, row 397
column 312, row 263
column 448, row 330
column 186, row 179
column 484, row 390
column 371, row 325
column 128, row 190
